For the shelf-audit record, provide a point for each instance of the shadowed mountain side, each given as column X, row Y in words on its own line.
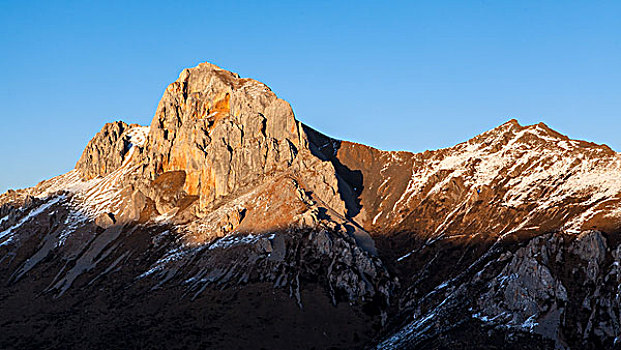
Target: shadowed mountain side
column 350, row 182
column 124, row 310
column 520, row 290
column 143, row 279
column 468, row 283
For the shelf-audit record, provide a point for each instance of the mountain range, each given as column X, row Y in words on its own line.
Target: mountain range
column 228, row 223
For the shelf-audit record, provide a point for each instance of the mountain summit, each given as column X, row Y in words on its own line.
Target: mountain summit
column 229, row 223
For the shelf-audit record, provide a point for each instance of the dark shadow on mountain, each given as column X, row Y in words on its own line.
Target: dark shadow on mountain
column 350, row 182
column 109, row 306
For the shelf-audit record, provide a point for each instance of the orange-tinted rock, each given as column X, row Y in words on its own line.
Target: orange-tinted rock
column 222, row 130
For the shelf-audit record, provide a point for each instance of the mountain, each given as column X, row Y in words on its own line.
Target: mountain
column 227, row 223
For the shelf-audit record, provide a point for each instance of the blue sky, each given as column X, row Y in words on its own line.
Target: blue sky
column 395, row 75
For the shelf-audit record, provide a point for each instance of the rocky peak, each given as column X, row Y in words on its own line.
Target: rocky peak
column 108, row 149
column 222, row 130
column 219, row 145
column 540, row 135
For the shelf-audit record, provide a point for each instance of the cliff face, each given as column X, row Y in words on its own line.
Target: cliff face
column 510, row 238
column 222, row 130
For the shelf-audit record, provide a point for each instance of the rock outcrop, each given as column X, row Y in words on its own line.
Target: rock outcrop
column 106, row 151
column 225, row 132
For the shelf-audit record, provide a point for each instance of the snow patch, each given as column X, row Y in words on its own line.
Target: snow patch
column 33, row 213
column 405, row 256
column 234, row 240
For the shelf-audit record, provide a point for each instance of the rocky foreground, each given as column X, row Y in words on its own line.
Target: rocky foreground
column 227, row 223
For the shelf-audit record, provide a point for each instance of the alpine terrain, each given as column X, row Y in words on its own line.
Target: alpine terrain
column 229, row 224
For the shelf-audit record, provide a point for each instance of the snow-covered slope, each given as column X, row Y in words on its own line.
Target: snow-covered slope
column 510, row 179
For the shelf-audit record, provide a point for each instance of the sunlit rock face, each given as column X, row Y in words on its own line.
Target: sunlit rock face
column 228, row 211
column 224, row 136
column 222, row 130
column 109, row 148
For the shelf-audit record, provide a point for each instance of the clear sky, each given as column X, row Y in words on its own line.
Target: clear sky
column 395, row 75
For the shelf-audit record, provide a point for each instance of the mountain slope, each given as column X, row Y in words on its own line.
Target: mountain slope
column 226, row 215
